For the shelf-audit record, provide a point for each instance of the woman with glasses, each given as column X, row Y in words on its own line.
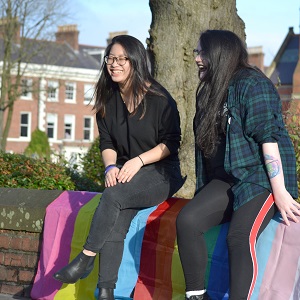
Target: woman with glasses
column 245, row 164
column 139, row 129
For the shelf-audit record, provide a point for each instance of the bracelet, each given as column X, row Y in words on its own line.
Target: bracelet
column 141, row 160
column 109, row 167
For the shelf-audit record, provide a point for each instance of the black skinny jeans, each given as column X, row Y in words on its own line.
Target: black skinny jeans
column 210, row 207
column 118, row 205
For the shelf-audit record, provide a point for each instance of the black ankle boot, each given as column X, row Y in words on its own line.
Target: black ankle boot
column 80, row 267
column 106, row 294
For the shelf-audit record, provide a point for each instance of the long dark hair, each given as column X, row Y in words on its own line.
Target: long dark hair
column 224, row 54
column 139, row 76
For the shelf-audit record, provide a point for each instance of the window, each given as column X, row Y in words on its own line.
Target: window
column 26, row 89
column 52, row 126
column 88, row 93
column 24, row 124
column 88, row 128
column 52, row 91
column 69, row 127
column 70, row 94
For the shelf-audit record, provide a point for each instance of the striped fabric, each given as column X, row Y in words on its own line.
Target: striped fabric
column 150, row 264
column 253, row 237
column 66, row 226
column 155, row 276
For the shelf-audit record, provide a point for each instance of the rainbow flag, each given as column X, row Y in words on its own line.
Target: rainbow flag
column 150, row 265
column 66, row 226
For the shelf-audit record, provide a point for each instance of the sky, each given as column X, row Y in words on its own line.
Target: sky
column 267, row 21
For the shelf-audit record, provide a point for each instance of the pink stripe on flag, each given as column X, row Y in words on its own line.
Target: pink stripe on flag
column 57, row 236
column 281, row 278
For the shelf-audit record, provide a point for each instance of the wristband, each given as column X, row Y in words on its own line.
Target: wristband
column 109, row 167
column 141, row 160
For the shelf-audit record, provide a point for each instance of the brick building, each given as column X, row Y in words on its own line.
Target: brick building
column 56, row 92
column 284, row 70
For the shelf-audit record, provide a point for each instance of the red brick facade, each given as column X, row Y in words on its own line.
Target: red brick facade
column 55, row 98
column 19, row 254
column 79, row 109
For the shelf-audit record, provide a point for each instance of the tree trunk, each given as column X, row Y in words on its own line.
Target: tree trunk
column 6, row 127
column 174, row 33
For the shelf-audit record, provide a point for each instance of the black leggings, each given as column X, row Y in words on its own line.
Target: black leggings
column 212, row 206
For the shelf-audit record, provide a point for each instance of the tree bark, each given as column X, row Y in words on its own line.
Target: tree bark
column 174, row 33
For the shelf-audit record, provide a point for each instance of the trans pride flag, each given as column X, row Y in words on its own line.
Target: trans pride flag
column 151, row 265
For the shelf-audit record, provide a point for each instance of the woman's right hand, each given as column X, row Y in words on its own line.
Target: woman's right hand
column 111, row 177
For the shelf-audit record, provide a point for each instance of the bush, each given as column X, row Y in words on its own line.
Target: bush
column 19, row 171
column 39, row 145
column 93, row 167
column 84, row 183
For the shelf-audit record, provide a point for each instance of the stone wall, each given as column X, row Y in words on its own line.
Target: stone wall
column 21, row 224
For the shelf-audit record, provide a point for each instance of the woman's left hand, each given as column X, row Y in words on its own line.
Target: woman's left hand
column 129, row 169
column 287, row 206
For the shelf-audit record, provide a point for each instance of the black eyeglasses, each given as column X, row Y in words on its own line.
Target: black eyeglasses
column 197, row 52
column 121, row 61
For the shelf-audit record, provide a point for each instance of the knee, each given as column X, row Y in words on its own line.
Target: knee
column 110, row 198
column 185, row 222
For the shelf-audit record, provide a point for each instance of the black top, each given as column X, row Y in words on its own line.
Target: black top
column 130, row 136
column 215, row 164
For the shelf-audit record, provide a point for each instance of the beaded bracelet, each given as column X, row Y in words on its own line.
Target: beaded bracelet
column 109, row 167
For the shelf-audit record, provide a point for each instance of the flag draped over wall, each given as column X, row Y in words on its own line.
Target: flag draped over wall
column 151, row 265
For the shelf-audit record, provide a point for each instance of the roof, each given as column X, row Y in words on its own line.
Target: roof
column 285, row 62
column 52, row 53
column 95, row 51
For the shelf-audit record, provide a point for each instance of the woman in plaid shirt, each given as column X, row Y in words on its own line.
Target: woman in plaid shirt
column 245, row 163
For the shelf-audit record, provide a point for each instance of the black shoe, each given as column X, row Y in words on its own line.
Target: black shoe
column 106, row 294
column 80, row 267
column 199, row 297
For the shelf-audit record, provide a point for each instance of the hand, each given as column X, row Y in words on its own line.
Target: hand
column 287, row 206
column 111, row 177
column 129, row 169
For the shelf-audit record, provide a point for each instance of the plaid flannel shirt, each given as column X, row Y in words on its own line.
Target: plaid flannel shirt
column 254, row 118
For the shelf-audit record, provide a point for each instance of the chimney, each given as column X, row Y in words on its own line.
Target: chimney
column 6, row 26
column 113, row 34
column 291, row 30
column 68, row 34
column 256, row 57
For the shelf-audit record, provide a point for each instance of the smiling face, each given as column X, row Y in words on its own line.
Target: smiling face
column 119, row 74
column 200, row 61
